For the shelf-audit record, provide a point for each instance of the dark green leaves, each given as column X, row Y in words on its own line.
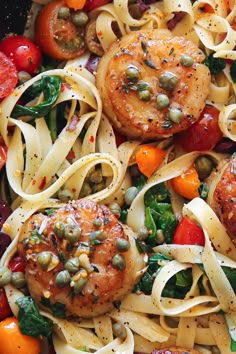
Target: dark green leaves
column 58, row 309
column 31, row 322
column 215, row 65
column 51, row 88
column 232, row 71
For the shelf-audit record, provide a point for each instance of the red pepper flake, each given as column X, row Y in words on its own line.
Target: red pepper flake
column 71, row 155
column 62, row 87
column 42, row 184
column 91, row 139
column 73, row 123
column 73, row 190
column 33, row 182
column 99, row 33
column 229, row 250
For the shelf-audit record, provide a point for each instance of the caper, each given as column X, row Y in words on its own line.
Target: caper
column 115, row 209
column 23, row 76
column 160, row 237
column 143, row 233
column 97, row 222
column 59, row 229
column 186, row 60
column 18, row 279
column 72, row 232
column 204, row 165
column 118, row 262
column 79, row 284
column 98, row 235
column 65, row 195
column 79, row 18
column 5, row 275
column 63, row 278
column 119, row 330
column 96, row 176
column 144, row 95
column 72, row 265
column 63, row 13
column 162, row 101
column 175, row 115
column 168, row 81
column 122, row 245
column 85, row 190
column 132, row 73
column 130, row 195
column 44, row 259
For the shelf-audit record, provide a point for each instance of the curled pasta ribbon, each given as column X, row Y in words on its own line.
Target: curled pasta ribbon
column 227, row 121
column 218, row 8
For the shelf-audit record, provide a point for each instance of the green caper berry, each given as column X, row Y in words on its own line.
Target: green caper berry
column 85, row 190
column 65, row 195
column 72, row 265
column 18, row 279
column 144, row 95
column 143, row 233
column 23, row 76
column 130, row 195
column 204, row 166
column 63, row 13
column 96, row 177
column 115, row 209
column 79, row 285
column 132, row 73
column 175, row 115
column 186, row 60
column 79, row 18
column 118, row 262
column 160, row 237
column 119, row 330
column 98, row 235
column 44, row 259
column 5, row 275
column 72, row 233
column 97, row 222
column 59, row 229
column 168, row 81
column 162, row 101
column 122, row 245
column 63, row 278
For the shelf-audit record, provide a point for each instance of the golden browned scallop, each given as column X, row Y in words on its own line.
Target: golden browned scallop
column 223, row 199
column 176, row 350
column 80, row 256
column 152, row 84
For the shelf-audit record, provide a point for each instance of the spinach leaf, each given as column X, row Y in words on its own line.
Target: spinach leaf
column 168, row 224
column 58, row 309
column 31, row 322
column 232, row 71
column 157, row 193
column 215, row 65
column 51, row 88
column 151, row 226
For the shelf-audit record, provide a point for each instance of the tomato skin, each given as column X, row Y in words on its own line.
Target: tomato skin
column 188, row 233
column 23, row 52
column 119, row 138
column 13, row 341
column 8, row 76
column 48, row 26
column 5, row 309
column 17, row 264
column 3, row 155
column 202, row 135
column 93, row 4
column 187, row 184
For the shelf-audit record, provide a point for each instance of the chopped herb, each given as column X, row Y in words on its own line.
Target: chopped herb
column 60, row 254
column 233, row 168
column 96, row 242
column 167, row 124
column 95, row 299
column 144, row 48
column 124, row 87
column 149, row 63
column 143, row 247
column 171, row 50
column 232, row 71
column 215, row 65
column 203, row 190
column 58, row 309
column 31, row 322
column 49, row 212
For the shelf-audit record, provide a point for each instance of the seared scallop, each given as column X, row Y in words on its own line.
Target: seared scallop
column 80, row 256
column 152, row 84
column 176, row 350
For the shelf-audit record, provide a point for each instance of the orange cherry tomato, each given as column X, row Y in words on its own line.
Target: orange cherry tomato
column 56, row 37
column 187, row 184
column 75, row 4
column 149, row 158
column 13, row 341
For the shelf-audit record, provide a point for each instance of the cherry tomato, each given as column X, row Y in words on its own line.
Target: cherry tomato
column 188, row 233
column 56, row 37
column 3, row 154
column 17, row 264
column 13, row 341
column 202, row 135
column 93, row 4
column 24, row 53
column 8, row 76
column 5, row 309
column 119, row 138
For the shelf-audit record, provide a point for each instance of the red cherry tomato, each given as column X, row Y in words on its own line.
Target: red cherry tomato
column 3, row 154
column 17, row 264
column 5, row 309
column 188, row 233
column 8, row 76
column 202, row 135
column 119, row 138
column 93, row 4
column 24, row 53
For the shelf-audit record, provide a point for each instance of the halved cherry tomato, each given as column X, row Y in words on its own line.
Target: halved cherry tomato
column 187, row 184
column 202, row 135
column 23, row 52
column 17, row 264
column 3, row 154
column 8, row 76
column 13, row 341
column 5, row 309
column 188, row 233
column 119, row 138
column 93, row 4
column 149, row 158
column 58, row 38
